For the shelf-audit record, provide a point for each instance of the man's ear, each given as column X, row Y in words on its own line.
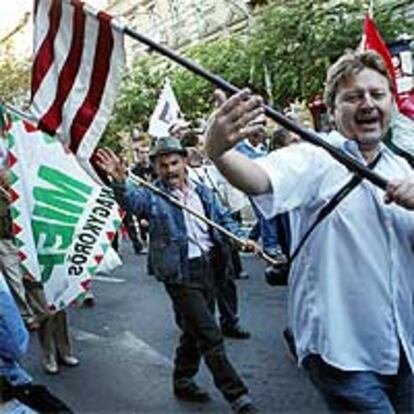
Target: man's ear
column 331, row 118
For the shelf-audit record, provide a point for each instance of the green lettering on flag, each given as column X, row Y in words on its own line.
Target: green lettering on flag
column 70, row 194
column 49, row 261
column 52, row 214
column 52, row 233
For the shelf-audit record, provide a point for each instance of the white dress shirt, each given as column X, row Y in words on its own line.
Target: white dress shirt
column 197, row 231
column 351, row 289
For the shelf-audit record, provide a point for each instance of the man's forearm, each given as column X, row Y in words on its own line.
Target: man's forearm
column 227, row 127
column 119, row 188
column 242, row 173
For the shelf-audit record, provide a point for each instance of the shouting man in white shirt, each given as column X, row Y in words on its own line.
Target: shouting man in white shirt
column 351, row 286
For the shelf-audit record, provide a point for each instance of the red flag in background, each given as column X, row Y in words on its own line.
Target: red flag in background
column 78, row 63
column 402, row 124
column 372, row 40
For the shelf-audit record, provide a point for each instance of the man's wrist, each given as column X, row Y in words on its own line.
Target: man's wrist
column 118, row 183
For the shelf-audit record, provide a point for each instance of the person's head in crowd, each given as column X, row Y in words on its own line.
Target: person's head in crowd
column 191, row 141
column 299, row 112
column 282, row 137
column 141, row 144
column 170, row 161
column 179, row 128
column 358, row 95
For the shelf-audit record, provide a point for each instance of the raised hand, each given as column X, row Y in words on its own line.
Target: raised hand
column 228, row 125
column 111, row 164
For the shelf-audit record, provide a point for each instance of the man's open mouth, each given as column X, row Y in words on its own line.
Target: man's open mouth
column 368, row 121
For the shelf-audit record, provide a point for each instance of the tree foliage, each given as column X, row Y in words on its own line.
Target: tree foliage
column 14, row 78
column 295, row 41
column 299, row 43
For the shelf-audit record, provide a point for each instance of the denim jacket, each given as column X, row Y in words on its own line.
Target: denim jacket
column 168, row 235
column 13, row 338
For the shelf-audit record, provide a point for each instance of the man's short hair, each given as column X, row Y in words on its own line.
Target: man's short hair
column 350, row 64
column 190, row 139
column 279, row 137
column 141, row 138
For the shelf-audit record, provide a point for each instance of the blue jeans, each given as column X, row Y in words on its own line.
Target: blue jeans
column 267, row 230
column 363, row 391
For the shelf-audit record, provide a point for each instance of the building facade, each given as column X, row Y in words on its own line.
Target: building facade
column 181, row 23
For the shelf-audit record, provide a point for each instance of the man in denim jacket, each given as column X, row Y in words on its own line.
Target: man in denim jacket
column 185, row 255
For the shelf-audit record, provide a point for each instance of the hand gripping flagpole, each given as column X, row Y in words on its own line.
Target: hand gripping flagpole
column 306, row 134
column 140, row 181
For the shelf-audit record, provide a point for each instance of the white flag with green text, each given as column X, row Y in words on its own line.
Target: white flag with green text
column 63, row 222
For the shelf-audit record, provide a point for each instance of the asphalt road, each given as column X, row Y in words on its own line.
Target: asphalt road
column 126, row 345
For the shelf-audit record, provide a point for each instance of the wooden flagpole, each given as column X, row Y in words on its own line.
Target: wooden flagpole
column 140, row 181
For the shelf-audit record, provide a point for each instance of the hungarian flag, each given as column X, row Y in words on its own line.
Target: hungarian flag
column 79, row 59
column 402, row 122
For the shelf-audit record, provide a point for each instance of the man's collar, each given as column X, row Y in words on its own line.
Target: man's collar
column 256, row 148
column 348, row 145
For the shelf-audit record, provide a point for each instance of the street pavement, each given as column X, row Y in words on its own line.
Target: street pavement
column 126, row 346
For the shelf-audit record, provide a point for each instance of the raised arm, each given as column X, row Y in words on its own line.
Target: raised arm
column 128, row 196
column 226, row 128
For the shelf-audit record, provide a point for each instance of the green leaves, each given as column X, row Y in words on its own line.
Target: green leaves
column 14, row 78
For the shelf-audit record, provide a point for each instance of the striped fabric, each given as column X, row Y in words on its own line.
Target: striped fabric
column 79, row 58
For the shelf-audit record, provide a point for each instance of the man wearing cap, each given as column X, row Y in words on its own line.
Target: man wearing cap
column 185, row 254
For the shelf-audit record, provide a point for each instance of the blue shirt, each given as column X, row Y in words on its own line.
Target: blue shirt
column 13, row 338
column 351, row 288
column 16, row 407
column 249, row 150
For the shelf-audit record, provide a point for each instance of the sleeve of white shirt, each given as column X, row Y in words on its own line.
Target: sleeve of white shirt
column 294, row 173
